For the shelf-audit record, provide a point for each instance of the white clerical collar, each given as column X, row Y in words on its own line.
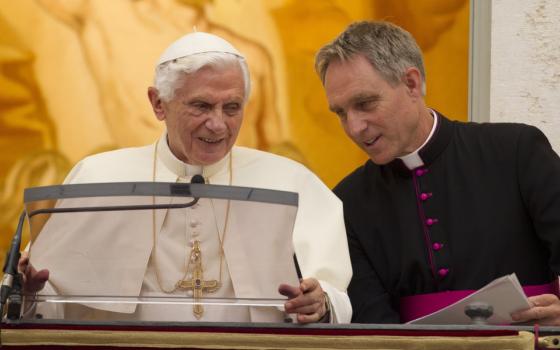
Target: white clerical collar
column 183, row 169
column 413, row 160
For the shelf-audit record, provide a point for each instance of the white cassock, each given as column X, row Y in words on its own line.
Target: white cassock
column 319, row 236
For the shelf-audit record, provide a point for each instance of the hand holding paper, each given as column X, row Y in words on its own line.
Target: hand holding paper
column 504, row 294
column 544, row 310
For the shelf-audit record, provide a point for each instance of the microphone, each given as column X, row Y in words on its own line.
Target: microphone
column 10, row 266
column 197, row 179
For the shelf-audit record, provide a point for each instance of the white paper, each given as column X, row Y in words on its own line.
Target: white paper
column 504, row 294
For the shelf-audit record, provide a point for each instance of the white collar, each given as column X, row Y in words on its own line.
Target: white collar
column 183, row 169
column 413, row 160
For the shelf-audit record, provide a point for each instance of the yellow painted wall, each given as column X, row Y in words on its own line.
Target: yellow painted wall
column 74, row 73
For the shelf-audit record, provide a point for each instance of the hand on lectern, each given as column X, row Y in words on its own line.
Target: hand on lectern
column 545, row 311
column 307, row 300
column 33, row 280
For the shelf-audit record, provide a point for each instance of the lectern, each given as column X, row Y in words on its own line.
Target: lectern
column 160, row 251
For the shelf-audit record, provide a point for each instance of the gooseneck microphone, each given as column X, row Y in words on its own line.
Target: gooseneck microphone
column 197, row 179
column 176, row 189
column 11, row 264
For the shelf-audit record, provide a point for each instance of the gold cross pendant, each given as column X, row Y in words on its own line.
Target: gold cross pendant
column 197, row 283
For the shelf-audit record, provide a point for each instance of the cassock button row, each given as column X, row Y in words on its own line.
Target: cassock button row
column 425, row 196
column 443, row 272
column 437, row 246
column 421, row 172
column 194, row 223
column 431, row 221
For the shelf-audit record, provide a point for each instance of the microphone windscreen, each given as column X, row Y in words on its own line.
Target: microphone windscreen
column 197, row 179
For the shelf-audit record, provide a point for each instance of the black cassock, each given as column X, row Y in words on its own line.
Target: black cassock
column 485, row 204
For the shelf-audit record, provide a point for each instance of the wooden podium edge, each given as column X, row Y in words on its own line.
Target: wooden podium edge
column 205, row 340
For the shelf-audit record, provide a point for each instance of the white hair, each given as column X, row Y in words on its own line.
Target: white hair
column 168, row 73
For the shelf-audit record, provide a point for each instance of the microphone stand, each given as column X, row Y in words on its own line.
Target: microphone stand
column 12, row 282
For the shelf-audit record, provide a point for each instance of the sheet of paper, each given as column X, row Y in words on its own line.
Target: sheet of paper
column 504, row 294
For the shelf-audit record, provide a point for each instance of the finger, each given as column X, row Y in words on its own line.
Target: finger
column 23, row 262
column 289, row 291
column 36, row 281
column 309, row 284
column 308, row 318
column 29, row 274
column 312, row 288
column 308, row 309
column 543, row 300
column 544, row 306
column 537, row 313
column 302, row 301
column 41, row 275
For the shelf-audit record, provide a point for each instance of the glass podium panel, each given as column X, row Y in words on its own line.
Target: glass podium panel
column 161, row 252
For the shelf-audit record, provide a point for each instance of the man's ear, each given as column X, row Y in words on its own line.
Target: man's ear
column 157, row 103
column 413, row 81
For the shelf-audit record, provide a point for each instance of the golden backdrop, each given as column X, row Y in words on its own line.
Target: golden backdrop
column 74, row 75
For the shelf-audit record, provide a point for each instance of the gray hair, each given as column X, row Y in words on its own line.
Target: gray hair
column 389, row 48
column 168, row 73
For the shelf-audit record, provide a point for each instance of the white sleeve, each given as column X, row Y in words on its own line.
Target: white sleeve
column 321, row 245
column 341, row 311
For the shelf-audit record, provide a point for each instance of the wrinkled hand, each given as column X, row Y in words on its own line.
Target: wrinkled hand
column 545, row 311
column 307, row 300
column 33, row 280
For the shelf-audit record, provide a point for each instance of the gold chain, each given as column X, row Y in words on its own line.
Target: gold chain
column 226, row 219
column 189, row 258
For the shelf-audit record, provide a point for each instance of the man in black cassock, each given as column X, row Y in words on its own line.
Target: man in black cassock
column 440, row 205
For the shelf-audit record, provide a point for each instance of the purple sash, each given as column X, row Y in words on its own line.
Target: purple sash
column 415, row 306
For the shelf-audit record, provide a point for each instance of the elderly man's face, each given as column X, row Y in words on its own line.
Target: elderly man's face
column 380, row 118
column 205, row 114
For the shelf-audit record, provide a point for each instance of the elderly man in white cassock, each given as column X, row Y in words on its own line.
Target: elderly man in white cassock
column 200, row 88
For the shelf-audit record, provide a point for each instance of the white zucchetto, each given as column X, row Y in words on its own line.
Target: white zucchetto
column 195, row 43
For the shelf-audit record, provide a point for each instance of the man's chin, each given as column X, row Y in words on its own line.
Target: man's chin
column 209, row 159
column 381, row 159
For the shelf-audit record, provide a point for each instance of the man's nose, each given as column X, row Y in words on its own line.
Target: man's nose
column 355, row 124
column 216, row 121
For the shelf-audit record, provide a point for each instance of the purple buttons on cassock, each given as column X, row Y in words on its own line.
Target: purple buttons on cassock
column 437, row 246
column 443, row 272
column 425, row 195
column 431, row 221
column 420, row 172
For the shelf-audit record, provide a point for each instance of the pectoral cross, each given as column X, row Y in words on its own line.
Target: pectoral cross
column 197, row 283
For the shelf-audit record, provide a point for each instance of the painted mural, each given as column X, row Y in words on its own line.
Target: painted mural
column 74, row 75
